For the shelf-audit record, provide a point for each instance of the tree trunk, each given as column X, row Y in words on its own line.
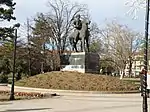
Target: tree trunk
column 121, row 74
column 130, row 67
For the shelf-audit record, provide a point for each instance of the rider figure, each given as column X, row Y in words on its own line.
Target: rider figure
column 77, row 24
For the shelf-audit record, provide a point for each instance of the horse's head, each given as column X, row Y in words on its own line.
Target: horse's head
column 85, row 23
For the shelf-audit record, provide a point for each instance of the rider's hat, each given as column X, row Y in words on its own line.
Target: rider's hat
column 78, row 15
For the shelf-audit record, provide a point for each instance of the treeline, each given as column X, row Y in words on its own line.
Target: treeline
column 48, row 39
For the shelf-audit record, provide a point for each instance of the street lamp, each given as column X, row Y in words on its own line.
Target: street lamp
column 145, row 106
column 14, row 60
column 42, row 63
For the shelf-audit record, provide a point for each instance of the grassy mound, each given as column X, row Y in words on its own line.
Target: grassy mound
column 77, row 81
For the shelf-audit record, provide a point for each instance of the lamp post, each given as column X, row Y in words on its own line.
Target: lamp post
column 145, row 106
column 42, row 63
column 14, row 61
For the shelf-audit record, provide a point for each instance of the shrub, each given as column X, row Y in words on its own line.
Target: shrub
column 3, row 78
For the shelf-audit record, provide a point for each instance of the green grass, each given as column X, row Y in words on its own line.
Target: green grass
column 77, row 81
column 135, row 81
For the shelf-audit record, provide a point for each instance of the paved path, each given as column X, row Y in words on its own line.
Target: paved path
column 4, row 88
column 75, row 102
column 60, row 92
column 111, row 103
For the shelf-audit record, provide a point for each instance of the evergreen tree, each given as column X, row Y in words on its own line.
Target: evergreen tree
column 6, row 14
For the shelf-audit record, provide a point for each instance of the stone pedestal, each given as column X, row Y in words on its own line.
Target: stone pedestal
column 80, row 62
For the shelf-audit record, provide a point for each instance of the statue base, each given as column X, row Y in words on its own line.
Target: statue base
column 80, row 62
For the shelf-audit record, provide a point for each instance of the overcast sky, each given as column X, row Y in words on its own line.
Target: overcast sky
column 100, row 10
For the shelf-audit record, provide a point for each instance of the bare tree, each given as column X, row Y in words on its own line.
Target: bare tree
column 52, row 29
column 60, row 16
column 135, row 6
column 121, row 43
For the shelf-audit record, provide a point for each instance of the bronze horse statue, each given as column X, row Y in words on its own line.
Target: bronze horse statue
column 82, row 35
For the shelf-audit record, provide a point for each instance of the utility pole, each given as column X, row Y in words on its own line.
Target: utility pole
column 145, row 106
column 29, row 50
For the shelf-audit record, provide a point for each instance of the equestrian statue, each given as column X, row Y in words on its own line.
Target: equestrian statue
column 81, row 32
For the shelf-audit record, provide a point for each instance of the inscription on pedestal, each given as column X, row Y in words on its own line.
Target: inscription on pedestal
column 81, row 62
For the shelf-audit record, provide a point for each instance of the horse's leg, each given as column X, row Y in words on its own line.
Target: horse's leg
column 75, row 45
column 87, row 44
column 77, row 39
column 72, row 43
column 83, row 45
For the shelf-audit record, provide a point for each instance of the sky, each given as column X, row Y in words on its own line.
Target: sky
column 100, row 11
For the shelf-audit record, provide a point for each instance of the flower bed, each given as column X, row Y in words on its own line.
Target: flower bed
column 4, row 95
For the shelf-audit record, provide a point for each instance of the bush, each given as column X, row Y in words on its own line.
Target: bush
column 3, row 78
column 18, row 76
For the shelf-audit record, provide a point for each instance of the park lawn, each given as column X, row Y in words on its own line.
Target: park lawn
column 77, row 81
column 133, row 80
